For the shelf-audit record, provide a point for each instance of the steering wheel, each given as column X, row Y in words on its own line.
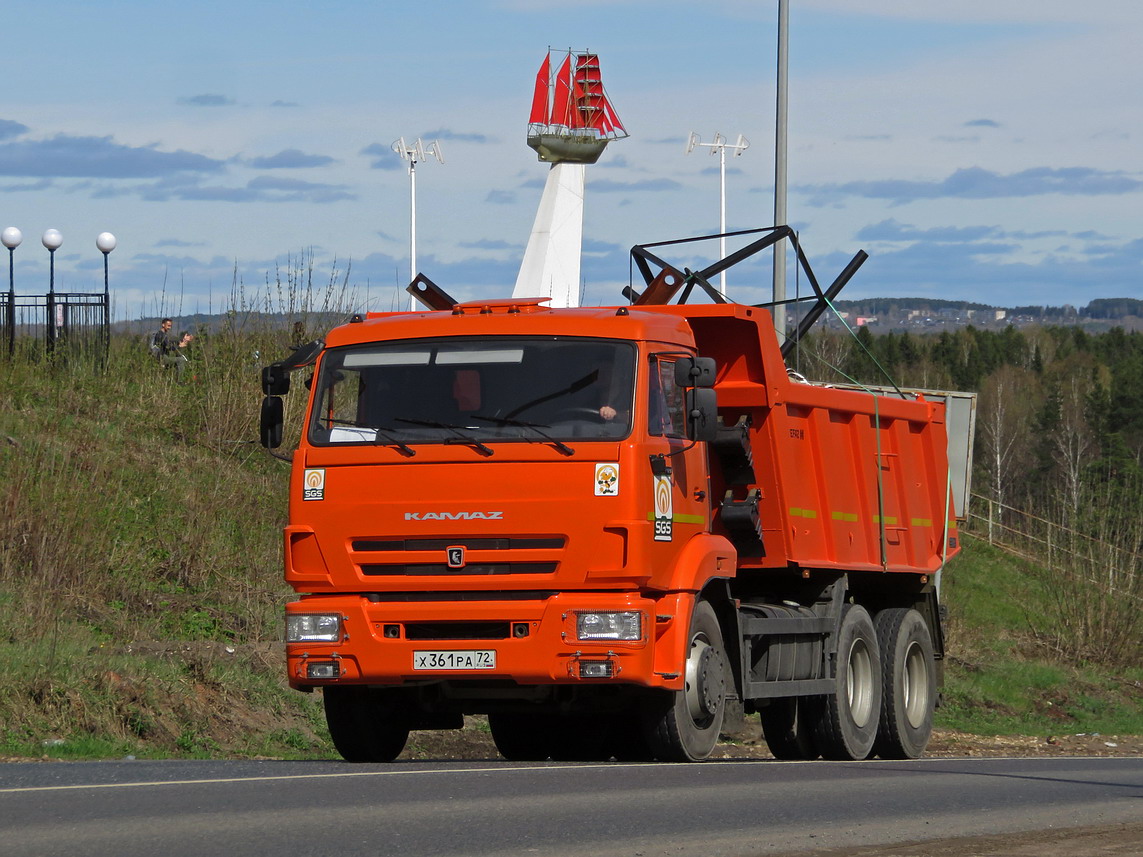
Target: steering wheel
column 577, row 412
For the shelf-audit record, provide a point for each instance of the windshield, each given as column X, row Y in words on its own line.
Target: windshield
column 468, row 390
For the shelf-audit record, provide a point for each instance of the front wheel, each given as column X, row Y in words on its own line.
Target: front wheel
column 364, row 723
column 683, row 726
column 847, row 722
column 523, row 736
column 909, row 684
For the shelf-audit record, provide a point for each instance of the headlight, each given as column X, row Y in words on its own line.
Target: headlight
column 609, row 626
column 313, row 627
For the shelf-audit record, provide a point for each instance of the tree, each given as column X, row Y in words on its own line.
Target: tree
column 1071, row 437
column 1008, row 401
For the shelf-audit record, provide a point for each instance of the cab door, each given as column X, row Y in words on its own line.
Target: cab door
column 678, row 466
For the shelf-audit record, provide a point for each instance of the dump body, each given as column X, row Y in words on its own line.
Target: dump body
column 847, row 480
column 501, row 509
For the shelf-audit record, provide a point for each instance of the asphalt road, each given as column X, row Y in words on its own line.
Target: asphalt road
column 740, row 808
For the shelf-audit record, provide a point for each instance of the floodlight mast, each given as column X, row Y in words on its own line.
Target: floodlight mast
column 719, row 147
column 414, row 153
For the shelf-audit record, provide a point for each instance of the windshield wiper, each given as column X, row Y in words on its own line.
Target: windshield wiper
column 402, row 447
column 538, row 428
column 380, row 434
column 457, row 438
column 574, row 387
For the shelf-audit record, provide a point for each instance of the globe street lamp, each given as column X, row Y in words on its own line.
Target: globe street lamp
column 11, row 238
column 105, row 241
column 52, row 240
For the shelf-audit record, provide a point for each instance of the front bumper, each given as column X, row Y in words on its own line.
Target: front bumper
column 533, row 641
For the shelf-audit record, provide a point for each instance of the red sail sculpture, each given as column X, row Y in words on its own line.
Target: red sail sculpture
column 572, row 118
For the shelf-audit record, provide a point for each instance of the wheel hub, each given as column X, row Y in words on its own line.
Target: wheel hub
column 706, row 681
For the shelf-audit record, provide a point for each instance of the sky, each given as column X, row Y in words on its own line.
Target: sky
column 239, row 152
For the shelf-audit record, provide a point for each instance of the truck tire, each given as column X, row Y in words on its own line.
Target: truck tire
column 683, row 726
column 847, row 724
column 364, row 724
column 909, row 684
column 787, row 726
column 523, row 736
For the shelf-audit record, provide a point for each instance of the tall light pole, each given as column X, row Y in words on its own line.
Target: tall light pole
column 11, row 238
column 780, row 167
column 105, row 242
column 414, row 153
column 52, row 240
column 719, row 147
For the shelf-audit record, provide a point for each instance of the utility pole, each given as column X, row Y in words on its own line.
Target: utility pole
column 780, row 167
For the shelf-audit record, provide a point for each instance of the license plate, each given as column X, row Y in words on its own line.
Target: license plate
column 453, row 659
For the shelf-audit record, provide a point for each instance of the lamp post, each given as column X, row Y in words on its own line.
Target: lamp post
column 11, row 238
column 414, row 153
column 719, row 147
column 52, row 240
column 105, row 241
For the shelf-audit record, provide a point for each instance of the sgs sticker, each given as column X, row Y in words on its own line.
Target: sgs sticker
column 313, row 484
column 606, row 480
column 664, row 508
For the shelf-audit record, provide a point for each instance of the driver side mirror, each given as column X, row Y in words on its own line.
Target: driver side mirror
column 702, row 415
column 270, row 430
column 694, row 372
column 275, row 380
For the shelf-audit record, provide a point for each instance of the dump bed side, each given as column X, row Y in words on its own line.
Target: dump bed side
column 842, row 479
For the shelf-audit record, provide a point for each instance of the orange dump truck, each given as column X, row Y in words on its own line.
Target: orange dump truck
column 606, row 529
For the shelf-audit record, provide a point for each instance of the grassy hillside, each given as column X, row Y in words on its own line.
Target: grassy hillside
column 141, row 593
column 1004, row 673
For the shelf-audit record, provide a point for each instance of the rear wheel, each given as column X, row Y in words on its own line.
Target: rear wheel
column 787, row 725
column 846, row 727
column 909, row 684
column 683, row 726
column 364, row 723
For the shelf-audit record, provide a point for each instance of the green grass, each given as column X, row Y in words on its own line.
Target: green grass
column 1003, row 676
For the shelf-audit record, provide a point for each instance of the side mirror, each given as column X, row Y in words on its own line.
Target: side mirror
column 275, row 380
column 702, row 414
column 694, row 372
column 270, row 432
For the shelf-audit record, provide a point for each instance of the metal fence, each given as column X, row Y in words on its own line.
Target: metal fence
column 62, row 324
column 1113, row 568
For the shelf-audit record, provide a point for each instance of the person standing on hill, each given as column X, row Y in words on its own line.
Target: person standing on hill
column 161, row 344
column 169, row 352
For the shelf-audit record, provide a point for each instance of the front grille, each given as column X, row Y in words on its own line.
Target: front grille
column 471, row 569
column 510, row 595
column 457, row 630
column 475, row 544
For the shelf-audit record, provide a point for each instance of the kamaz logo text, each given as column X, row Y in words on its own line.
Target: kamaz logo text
column 454, row 516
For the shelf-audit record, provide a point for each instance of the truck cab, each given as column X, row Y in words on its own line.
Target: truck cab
column 499, row 510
